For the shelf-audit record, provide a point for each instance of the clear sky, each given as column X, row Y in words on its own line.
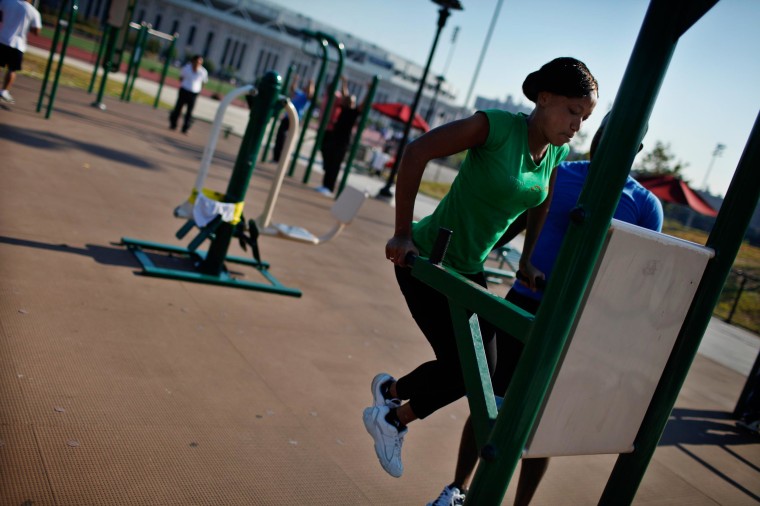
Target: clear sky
column 711, row 93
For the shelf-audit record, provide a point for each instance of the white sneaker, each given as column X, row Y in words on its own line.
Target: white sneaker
column 6, row 96
column 387, row 439
column 324, row 191
column 378, row 399
column 451, row 496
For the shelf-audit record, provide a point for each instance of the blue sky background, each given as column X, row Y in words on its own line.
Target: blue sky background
column 711, row 93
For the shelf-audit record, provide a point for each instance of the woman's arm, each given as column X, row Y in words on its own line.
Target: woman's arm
column 445, row 140
column 536, row 218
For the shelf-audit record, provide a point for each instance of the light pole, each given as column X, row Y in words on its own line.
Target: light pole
column 443, row 14
column 431, row 109
column 482, row 56
column 718, row 151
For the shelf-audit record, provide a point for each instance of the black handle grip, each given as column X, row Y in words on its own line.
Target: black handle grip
column 540, row 282
column 440, row 246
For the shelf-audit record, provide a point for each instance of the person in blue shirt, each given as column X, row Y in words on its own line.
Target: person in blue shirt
column 637, row 206
column 301, row 100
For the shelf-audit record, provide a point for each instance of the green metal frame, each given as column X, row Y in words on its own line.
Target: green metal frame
column 275, row 117
column 210, row 266
column 165, row 70
column 503, row 438
column 330, row 100
column 73, row 9
column 358, row 135
column 135, row 58
column 137, row 248
column 312, row 105
column 111, row 36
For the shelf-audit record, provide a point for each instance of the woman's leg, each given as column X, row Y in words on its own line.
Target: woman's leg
column 439, row 382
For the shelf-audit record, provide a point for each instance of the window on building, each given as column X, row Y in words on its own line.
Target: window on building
column 235, row 47
column 207, row 45
column 226, row 50
column 240, row 56
column 191, row 36
column 267, row 61
column 157, row 24
column 141, row 16
column 175, row 27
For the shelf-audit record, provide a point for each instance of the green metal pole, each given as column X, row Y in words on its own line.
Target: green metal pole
column 330, row 100
column 53, row 49
column 358, row 136
column 261, row 106
column 165, row 70
column 98, row 62
column 62, row 55
column 275, row 123
column 106, row 68
column 140, row 53
column 726, row 239
column 132, row 60
column 581, row 247
column 310, row 111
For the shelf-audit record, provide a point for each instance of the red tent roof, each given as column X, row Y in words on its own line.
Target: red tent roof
column 673, row 189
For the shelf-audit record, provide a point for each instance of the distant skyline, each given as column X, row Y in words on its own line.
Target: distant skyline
column 709, row 95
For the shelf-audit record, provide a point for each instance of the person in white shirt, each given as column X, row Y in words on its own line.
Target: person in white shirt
column 17, row 18
column 192, row 76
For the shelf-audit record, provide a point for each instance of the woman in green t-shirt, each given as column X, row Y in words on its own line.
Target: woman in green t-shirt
column 509, row 169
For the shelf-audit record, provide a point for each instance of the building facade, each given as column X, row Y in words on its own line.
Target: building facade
column 247, row 38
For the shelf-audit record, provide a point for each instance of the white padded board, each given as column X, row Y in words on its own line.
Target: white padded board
column 642, row 288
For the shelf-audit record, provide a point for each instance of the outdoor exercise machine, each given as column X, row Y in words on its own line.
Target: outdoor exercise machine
column 185, row 210
column 72, row 7
column 322, row 42
column 133, row 67
column 358, row 134
column 118, row 18
column 665, row 288
column 224, row 218
column 327, row 109
column 275, row 123
column 344, row 210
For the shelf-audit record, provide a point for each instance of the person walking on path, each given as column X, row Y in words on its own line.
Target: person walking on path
column 193, row 76
column 509, row 169
column 17, row 18
column 301, row 100
column 638, row 206
column 337, row 138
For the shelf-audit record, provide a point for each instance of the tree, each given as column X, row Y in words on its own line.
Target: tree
column 660, row 161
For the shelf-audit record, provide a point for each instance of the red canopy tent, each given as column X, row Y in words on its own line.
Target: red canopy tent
column 400, row 112
column 673, row 189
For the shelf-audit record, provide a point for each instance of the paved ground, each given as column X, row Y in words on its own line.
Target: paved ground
column 117, row 388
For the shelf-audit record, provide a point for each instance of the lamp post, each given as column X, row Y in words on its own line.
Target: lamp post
column 431, row 109
column 718, row 151
column 443, row 14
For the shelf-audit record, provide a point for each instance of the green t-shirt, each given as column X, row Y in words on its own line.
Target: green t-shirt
column 496, row 183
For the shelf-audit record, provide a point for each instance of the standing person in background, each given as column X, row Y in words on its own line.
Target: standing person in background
column 509, row 169
column 193, row 76
column 336, row 139
column 301, row 100
column 638, row 206
column 17, row 18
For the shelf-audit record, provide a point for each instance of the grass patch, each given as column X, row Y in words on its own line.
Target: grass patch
column 435, row 190
column 34, row 67
column 747, row 311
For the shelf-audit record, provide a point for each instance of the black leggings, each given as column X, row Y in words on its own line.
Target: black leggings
column 439, row 382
